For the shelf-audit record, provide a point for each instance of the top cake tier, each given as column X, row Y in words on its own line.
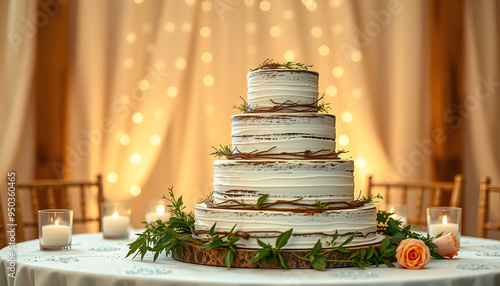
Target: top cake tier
column 268, row 88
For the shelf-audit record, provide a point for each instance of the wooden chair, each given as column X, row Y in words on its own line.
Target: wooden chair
column 484, row 206
column 55, row 194
column 436, row 189
column 4, row 235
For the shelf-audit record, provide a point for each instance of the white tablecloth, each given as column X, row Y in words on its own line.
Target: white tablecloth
column 95, row 261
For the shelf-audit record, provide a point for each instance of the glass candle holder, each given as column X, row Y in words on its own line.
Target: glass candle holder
column 115, row 220
column 445, row 220
column 54, row 229
column 156, row 210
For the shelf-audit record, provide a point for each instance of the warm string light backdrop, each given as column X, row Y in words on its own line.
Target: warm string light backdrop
column 153, row 84
column 173, row 71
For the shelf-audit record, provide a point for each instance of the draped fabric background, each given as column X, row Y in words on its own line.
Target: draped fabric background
column 17, row 58
column 479, row 112
column 153, row 84
column 182, row 66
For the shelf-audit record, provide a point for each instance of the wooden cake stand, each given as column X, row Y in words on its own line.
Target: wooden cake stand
column 193, row 253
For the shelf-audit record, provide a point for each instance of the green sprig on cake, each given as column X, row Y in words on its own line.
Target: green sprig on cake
column 271, row 64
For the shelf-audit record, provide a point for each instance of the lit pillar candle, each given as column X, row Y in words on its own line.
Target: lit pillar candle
column 159, row 215
column 115, row 226
column 56, row 235
column 444, row 227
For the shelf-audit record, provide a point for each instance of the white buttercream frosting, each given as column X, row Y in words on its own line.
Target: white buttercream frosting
column 307, row 227
column 288, row 132
column 297, row 86
column 307, row 180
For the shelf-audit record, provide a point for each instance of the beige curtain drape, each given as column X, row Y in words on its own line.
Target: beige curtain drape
column 17, row 58
column 153, row 84
column 479, row 111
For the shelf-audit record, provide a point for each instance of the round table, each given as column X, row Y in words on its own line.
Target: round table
column 93, row 260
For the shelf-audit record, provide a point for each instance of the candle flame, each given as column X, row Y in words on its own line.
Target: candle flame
column 445, row 220
column 115, row 214
column 57, row 222
column 391, row 210
column 160, row 210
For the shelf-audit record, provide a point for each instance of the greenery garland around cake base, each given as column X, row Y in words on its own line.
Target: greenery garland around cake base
column 169, row 237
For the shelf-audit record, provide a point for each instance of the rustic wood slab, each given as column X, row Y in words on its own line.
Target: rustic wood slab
column 193, row 253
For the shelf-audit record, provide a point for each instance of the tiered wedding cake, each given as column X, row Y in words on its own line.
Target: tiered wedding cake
column 283, row 171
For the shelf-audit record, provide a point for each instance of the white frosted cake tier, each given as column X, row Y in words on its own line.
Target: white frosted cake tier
column 306, row 180
column 308, row 227
column 296, row 86
column 287, row 132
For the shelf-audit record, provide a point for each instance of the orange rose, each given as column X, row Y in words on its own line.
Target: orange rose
column 447, row 245
column 412, row 253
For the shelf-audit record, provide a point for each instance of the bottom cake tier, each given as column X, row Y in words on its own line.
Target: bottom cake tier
column 308, row 226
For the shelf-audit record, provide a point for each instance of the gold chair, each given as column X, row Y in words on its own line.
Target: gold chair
column 483, row 209
column 52, row 194
column 437, row 189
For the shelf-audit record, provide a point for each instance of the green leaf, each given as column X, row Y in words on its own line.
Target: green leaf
column 316, row 249
column 132, row 250
column 214, row 243
column 283, row 238
column 178, row 249
column 156, row 255
column 232, row 229
column 388, row 263
column 143, row 250
column 319, row 263
column 283, row 262
column 261, row 200
column 134, row 246
column 342, row 249
column 370, row 252
column 385, row 243
column 437, row 255
column 349, row 239
column 137, row 243
column 270, row 257
column 258, row 255
column 397, row 238
column 228, row 258
column 353, row 255
column 234, row 239
column 334, row 238
column 389, row 251
column 212, row 229
column 262, row 244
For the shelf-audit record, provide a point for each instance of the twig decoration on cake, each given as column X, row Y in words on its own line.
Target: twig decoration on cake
column 255, row 233
column 225, row 150
column 288, row 106
column 306, row 208
column 268, row 154
column 269, row 64
column 243, row 107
